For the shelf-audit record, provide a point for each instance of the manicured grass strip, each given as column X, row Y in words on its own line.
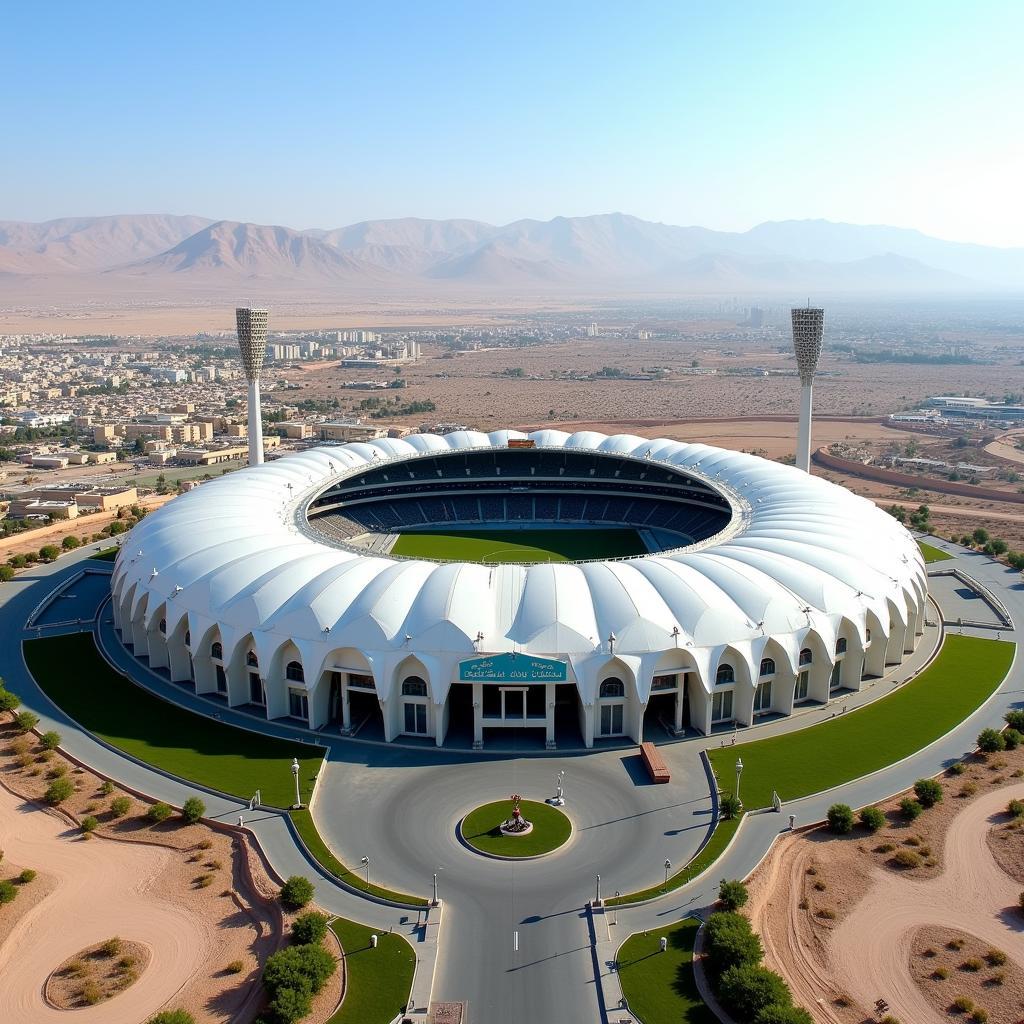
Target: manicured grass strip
column 660, row 987
column 965, row 673
column 708, row 854
column 377, row 981
column 933, row 554
column 306, row 828
column 106, row 555
column 520, row 545
column 551, row 828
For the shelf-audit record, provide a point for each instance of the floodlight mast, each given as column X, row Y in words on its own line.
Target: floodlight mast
column 252, row 345
column 808, row 329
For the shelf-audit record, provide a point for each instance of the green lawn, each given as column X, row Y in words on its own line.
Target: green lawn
column 966, row 672
column 106, row 555
column 660, row 987
column 181, row 742
column 551, row 828
column 377, row 981
column 706, row 856
column 932, row 553
column 73, row 674
column 520, row 545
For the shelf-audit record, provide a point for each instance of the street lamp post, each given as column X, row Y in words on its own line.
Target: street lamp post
column 365, row 861
column 739, row 772
column 297, row 806
column 668, row 868
column 434, row 901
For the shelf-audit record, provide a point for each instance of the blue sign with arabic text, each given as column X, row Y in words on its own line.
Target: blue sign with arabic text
column 512, row 668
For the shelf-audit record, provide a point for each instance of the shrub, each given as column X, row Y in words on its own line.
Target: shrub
column 910, row 808
column 962, row 1005
column 968, row 789
column 840, row 818
column 69, row 543
column 973, row 965
column 885, row 848
column 1015, row 808
column 111, row 947
column 172, row 1017
column 958, row 768
column 28, row 875
column 204, row 844
column 940, row 973
column 929, row 792
column 990, row 741
column 956, row 944
column 8, row 701
column 49, row 552
column 25, row 721
column 107, row 788
column 979, row 1016
column 159, row 812
column 120, row 806
column 746, row 989
column 1015, row 719
column 872, row 818
column 89, row 824
column 729, row 806
column 91, row 992
column 296, row 892
column 1020, row 900
column 297, row 968
column 7, row 891
column 290, row 1004
column 235, row 967
column 309, row 928
column 996, row 957
column 58, row 771
column 907, row 859
column 193, row 809
column 58, row 791
column 780, row 1014
column 1012, row 738
column 732, row 895
column 731, row 941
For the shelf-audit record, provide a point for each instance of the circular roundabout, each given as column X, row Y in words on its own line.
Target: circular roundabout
column 517, row 830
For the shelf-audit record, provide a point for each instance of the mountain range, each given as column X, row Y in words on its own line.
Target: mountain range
column 607, row 252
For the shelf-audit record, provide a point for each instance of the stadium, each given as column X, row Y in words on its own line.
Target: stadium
column 552, row 589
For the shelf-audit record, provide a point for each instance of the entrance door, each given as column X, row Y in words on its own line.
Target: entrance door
column 611, row 719
column 256, row 692
column 415, row 718
column 222, row 679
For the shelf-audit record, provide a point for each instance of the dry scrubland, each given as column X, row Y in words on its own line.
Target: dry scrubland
column 193, row 909
column 902, row 913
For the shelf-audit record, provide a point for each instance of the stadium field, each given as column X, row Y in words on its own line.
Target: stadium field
column 520, row 545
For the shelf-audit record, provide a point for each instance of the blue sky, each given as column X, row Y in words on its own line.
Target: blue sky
column 719, row 113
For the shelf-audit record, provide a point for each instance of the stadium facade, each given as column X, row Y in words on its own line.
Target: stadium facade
column 763, row 588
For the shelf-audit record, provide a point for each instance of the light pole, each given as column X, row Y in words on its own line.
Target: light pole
column 739, row 772
column 297, row 806
column 434, row 901
column 365, row 861
column 668, row 868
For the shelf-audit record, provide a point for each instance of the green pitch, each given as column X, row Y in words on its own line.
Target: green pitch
column 520, row 545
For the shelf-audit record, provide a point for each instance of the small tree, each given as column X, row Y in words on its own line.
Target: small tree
column 25, row 721
column 8, row 701
column 778, row 1014
column 1015, row 719
column 172, row 1017
column 296, row 892
column 980, row 536
column 193, row 809
column 49, row 552
column 840, row 818
column 120, row 806
column 747, row 989
column 990, row 741
column 309, row 928
column 58, row 791
column 69, row 543
column 1012, row 738
column 729, row 806
column 159, row 812
column 89, row 824
column 929, row 792
column 910, row 808
column 6, row 574
column 732, row 894
column 731, row 940
column 872, row 818
column 50, row 740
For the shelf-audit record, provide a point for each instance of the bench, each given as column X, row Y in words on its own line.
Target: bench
column 654, row 763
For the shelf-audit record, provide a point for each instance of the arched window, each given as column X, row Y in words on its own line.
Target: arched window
column 251, row 660
column 414, row 687
column 767, row 667
column 613, row 687
column 217, row 650
column 294, row 672
column 725, row 674
column 841, row 645
column 805, row 656
column 163, row 626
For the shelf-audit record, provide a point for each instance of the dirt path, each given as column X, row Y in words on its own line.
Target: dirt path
column 867, row 955
column 103, row 890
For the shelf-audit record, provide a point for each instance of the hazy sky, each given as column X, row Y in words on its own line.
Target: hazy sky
column 723, row 114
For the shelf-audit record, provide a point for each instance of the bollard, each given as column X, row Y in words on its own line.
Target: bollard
column 663, row 943
column 373, row 941
column 792, row 822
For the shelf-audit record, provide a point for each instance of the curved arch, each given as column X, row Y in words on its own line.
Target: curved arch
column 156, row 638
column 412, row 714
